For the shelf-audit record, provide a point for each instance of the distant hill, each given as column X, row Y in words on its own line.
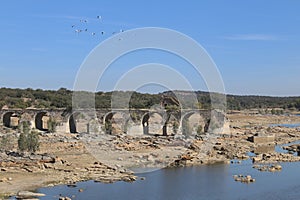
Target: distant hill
column 62, row 98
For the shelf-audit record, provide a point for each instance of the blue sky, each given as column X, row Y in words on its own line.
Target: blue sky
column 255, row 44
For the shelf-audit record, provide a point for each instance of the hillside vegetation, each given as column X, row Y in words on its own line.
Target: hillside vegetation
column 62, row 98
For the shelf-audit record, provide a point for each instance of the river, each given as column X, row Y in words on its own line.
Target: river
column 192, row 183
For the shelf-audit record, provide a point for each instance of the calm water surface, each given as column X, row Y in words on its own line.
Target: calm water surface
column 287, row 125
column 193, row 183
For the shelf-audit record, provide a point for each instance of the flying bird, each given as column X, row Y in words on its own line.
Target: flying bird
column 78, row 30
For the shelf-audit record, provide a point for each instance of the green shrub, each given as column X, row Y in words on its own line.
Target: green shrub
column 51, row 125
column 22, row 142
column 6, row 143
column 28, row 139
column 199, row 129
column 33, row 141
column 175, row 127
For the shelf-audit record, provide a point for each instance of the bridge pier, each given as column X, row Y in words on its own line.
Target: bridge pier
column 134, row 122
column 165, row 130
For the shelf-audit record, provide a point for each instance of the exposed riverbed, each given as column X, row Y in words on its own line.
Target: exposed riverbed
column 194, row 183
column 199, row 181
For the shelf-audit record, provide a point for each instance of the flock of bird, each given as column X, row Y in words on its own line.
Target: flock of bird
column 84, row 22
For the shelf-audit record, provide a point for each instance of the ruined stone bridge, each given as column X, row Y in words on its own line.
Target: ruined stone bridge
column 135, row 122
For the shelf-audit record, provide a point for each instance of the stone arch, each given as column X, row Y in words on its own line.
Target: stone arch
column 191, row 122
column 78, row 122
column 41, row 121
column 154, row 130
column 173, row 124
column 10, row 120
column 127, row 123
column 115, row 122
column 94, row 125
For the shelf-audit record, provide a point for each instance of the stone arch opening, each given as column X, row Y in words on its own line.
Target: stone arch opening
column 41, row 121
column 152, row 124
column 145, row 123
column 78, row 123
column 72, row 124
column 115, row 123
column 193, row 123
column 10, row 120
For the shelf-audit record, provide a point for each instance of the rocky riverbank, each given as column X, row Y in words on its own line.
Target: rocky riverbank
column 69, row 158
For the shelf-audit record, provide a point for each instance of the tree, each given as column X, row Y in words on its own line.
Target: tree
column 199, row 105
column 33, row 141
column 273, row 112
column 24, row 127
column 108, row 127
column 199, row 129
column 28, row 139
column 297, row 104
column 51, row 125
column 22, row 142
column 6, row 143
column 175, row 127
